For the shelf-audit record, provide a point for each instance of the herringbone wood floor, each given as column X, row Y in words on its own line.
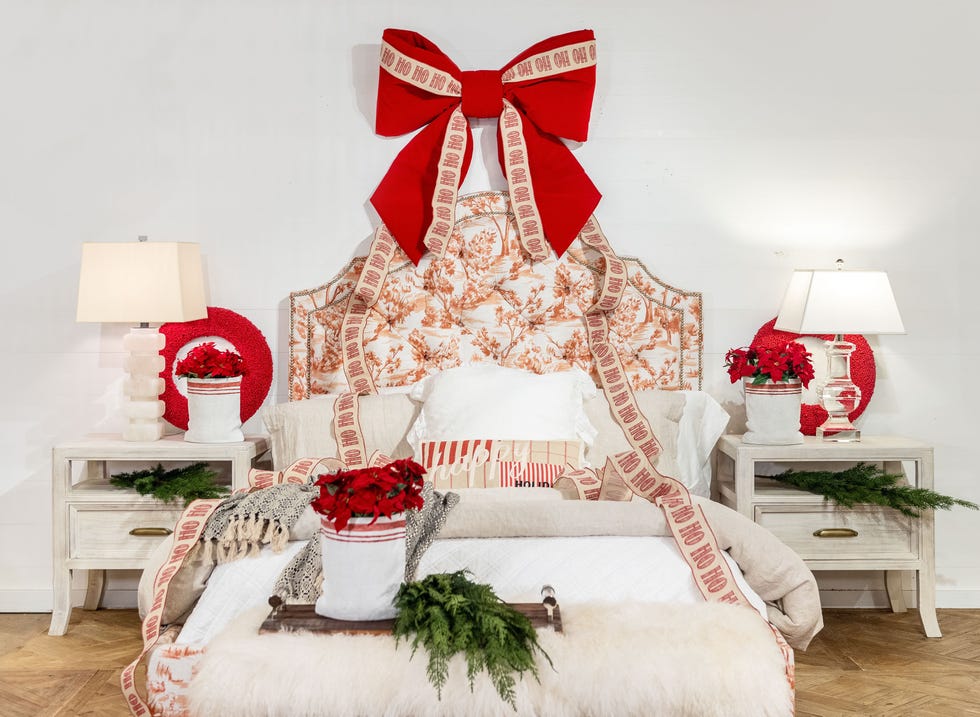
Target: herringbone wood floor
column 865, row 662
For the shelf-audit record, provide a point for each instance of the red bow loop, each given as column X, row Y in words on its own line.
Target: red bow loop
column 417, row 82
column 542, row 94
column 553, row 83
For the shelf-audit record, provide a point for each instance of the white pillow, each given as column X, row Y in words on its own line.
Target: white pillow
column 487, row 401
column 704, row 421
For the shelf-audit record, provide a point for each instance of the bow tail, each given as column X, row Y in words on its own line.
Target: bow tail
column 512, row 151
column 416, row 199
column 454, row 160
column 549, row 189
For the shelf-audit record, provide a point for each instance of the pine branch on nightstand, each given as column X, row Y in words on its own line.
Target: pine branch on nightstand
column 871, row 485
column 191, row 483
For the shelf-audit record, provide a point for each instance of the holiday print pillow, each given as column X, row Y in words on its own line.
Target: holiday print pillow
column 497, row 463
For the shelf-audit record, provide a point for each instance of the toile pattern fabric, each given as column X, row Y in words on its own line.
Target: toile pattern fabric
column 486, row 301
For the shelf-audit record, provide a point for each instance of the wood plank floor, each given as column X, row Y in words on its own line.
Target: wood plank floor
column 865, row 662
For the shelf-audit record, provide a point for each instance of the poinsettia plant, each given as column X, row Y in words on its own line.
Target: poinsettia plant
column 208, row 361
column 369, row 492
column 779, row 363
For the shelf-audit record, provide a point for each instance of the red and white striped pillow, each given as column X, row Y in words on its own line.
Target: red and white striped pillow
column 497, row 463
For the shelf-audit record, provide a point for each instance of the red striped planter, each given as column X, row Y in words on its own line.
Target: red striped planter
column 363, row 567
column 772, row 412
column 214, row 410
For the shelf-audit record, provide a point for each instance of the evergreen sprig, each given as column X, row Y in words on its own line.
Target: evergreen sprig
column 866, row 483
column 447, row 613
column 190, row 483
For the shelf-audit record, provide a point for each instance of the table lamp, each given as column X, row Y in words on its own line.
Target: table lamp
column 142, row 282
column 839, row 302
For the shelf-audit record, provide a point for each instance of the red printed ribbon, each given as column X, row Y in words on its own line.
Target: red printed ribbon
column 347, row 431
column 365, row 295
column 542, row 94
column 188, row 530
column 636, row 469
column 301, row 472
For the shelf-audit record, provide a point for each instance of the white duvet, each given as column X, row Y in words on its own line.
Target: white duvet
column 580, row 569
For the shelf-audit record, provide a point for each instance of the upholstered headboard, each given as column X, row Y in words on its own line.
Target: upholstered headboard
column 485, row 300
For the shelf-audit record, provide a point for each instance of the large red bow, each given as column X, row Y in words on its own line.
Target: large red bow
column 542, row 94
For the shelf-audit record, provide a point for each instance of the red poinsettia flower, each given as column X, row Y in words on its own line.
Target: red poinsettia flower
column 777, row 364
column 369, row 492
column 207, row 361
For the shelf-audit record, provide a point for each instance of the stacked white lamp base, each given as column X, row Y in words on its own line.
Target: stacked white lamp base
column 143, row 385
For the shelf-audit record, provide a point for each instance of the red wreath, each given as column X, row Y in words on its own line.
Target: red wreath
column 863, row 371
column 248, row 342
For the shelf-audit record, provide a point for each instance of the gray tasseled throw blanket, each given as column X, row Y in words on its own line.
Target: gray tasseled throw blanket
column 244, row 522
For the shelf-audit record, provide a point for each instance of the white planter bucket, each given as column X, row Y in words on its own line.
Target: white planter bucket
column 772, row 412
column 363, row 567
column 214, row 410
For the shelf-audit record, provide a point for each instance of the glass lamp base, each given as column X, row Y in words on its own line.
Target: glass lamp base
column 839, row 435
column 838, row 394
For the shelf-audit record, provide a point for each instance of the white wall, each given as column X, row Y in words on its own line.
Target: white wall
column 733, row 142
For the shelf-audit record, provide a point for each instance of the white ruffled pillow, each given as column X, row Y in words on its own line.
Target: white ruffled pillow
column 487, row 401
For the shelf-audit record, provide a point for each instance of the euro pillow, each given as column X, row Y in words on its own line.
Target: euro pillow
column 662, row 409
column 486, row 401
column 304, row 429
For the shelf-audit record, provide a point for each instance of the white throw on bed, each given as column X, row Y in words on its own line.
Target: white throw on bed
column 585, row 569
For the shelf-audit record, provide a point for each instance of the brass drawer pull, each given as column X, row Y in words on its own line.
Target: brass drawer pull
column 835, row 533
column 151, row 532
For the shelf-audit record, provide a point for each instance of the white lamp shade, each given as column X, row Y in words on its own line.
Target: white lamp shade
column 134, row 282
column 839, row 302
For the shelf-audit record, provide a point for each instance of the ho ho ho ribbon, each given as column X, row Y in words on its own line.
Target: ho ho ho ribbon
column 542, row 94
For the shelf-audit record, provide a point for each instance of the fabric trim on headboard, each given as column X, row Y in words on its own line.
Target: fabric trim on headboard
column 485, row 300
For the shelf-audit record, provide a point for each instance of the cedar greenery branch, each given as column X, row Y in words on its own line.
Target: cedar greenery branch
column 866, row 483
column 447, row 613
column 190, row 483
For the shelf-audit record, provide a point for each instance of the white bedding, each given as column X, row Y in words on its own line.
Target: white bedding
column 581, row 569
column 608, row 568
column 232, row 589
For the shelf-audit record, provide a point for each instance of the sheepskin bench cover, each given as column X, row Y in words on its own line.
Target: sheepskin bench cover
column 722, row 660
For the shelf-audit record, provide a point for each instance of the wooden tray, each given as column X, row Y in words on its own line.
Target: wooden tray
column 302, row 618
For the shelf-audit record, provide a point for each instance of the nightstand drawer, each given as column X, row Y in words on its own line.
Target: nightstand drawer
column 833, row 533
column 118, row 533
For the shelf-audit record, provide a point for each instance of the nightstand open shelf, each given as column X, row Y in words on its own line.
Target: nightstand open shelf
column 828, row 536
column 98, row 527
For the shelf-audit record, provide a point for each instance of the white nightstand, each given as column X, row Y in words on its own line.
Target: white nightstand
column 98, row 527
column 827, row 536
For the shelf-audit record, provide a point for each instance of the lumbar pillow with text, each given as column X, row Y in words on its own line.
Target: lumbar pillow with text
column 497, row 463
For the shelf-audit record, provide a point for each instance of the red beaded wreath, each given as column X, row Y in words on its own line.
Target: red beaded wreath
column 863, row 371
column 248, row 342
